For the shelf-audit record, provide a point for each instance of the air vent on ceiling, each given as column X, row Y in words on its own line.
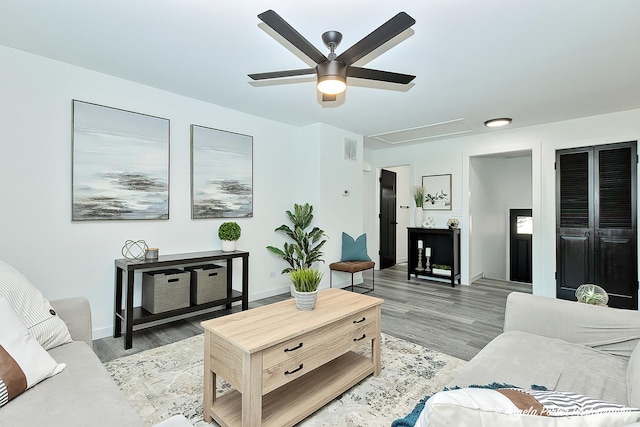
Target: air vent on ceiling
column 436, row 130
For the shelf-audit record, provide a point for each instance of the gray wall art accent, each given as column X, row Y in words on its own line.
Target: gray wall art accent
column 120, row 164
column 221, row 174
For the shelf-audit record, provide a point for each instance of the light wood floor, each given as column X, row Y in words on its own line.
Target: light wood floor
column 457, row 321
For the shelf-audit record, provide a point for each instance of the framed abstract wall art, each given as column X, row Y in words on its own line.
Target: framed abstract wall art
column 437, row 192
column 120, row 164
column 221, row 174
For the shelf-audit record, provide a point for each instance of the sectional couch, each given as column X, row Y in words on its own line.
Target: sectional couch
column 585, row 356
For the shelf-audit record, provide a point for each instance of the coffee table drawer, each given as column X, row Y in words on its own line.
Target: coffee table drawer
column 316, row 356
column 318, row 337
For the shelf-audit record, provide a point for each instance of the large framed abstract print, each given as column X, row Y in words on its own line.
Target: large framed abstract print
column 120, row 164
column 221, row 174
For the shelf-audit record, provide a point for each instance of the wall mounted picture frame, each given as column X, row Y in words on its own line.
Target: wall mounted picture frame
column 120, row 164
column 221, row 174
column 437, row 190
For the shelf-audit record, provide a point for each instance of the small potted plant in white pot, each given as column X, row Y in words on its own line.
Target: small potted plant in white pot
column 229, row 233
column 305, row 282
column 417, row 191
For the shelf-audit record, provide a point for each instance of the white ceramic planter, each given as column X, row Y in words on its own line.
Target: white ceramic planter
column 305, row 301
column 228, row 245
column 418, row 217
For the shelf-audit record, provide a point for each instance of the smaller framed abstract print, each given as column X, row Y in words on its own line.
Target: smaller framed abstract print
column 437, row 192
column 120, row 164
column 221, row 174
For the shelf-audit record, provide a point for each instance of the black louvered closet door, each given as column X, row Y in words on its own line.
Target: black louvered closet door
column 596, row 221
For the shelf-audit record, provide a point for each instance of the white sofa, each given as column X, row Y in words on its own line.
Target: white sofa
column 555, row 344
column 83, row 394
column 75, row 388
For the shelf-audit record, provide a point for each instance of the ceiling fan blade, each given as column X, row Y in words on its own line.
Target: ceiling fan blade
column 283, row 28
column 327, row 97
column 384, row 76
column 286, row 73
column 377, row 38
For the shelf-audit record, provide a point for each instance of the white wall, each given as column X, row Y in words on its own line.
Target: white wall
column 340, row 212
column 453, row 156
column 64, row 258
column 487, row 207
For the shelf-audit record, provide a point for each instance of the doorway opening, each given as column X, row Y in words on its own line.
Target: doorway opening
column 393, row 215
column 498, row 184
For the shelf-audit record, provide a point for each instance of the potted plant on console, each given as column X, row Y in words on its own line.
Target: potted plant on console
column 229, row 233
column 305, row 282
column 441, row 269
column 417, row 191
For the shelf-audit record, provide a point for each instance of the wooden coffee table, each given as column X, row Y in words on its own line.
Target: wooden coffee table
column 283, row 363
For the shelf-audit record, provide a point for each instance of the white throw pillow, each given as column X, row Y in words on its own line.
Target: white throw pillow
column 36, row 312
column 23, row 362
column 480, row 407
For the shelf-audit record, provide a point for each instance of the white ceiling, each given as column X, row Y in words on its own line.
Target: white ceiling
column 536, row 61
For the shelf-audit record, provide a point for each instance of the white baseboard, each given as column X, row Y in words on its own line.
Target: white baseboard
column 477, row 276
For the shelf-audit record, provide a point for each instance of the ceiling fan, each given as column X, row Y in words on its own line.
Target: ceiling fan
column 332, row 70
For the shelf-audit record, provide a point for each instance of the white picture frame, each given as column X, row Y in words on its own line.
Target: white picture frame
column 437, row 192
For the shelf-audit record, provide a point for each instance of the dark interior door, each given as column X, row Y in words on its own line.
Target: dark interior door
column 521, row 236
column 615, row 247
column 387, row 219
column 596, row 221
column 574, row 220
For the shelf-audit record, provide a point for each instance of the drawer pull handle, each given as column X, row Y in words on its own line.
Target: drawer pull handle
column 293, row 348
column 294, row 371
column 173, row 280
column 213, row 274
column 361, row 320
column 361, row 338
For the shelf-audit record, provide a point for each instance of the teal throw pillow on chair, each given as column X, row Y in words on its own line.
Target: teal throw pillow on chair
column 354, row 250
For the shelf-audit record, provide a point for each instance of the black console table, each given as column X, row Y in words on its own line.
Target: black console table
column 445, row 250
column 131, row 315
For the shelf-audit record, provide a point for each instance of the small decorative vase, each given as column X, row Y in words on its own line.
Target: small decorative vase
column 228, row 245
column 305, row 301
column 418, row 217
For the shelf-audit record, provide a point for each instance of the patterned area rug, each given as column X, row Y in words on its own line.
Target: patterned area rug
column 167, row 380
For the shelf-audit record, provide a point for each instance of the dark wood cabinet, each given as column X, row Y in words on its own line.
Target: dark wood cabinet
column 596, row 210
column 131, row 316
column 445, row 250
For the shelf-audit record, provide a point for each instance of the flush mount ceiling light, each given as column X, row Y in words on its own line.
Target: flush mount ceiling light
column 496, row 123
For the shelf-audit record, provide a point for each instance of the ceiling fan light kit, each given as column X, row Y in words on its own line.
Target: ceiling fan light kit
column 332, row 77
column 495, row 123
column 332, row 70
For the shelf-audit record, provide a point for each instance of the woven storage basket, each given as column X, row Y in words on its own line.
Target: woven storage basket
column 165, row 290
column 208, row 283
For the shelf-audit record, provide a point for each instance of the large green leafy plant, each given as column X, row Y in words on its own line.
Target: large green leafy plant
column 306, row 246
